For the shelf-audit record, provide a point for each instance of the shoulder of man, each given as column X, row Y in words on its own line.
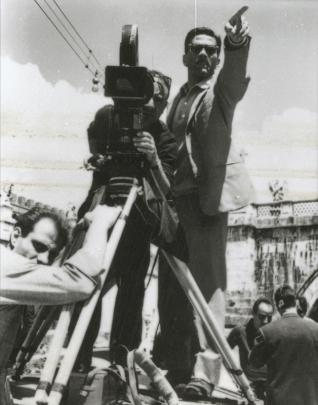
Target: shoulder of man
column 272, row 328
column 100, row 121
column 236, row 330
column 311, row 324
column 103, row 112
column 235, row 334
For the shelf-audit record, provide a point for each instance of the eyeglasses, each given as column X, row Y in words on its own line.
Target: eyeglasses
column 39, row 247
column 263, row 317
column 209, row 49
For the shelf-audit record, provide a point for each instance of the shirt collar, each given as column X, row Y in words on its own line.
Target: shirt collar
column 290, row 314
column 203, row 85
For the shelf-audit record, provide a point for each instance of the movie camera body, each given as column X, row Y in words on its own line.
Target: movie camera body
column 131, row 87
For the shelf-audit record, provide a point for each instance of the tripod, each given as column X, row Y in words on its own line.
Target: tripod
column 185, row 279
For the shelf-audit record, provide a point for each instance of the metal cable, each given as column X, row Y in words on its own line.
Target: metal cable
column 66, row 28
column 93, row 69
column 65, row 39
column 77, row 33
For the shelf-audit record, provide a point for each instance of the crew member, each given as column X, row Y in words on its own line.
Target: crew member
column 243, row 336
column 132, row 258
column 288, row 346
column 210, row 178
column 27, row 279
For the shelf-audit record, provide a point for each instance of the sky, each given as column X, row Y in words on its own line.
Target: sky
column 47, row 103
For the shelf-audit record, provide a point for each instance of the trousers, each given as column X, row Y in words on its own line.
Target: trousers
column 129, row 269
column 206, row 238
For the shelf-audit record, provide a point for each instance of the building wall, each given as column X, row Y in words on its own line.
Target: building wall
column 268, row 245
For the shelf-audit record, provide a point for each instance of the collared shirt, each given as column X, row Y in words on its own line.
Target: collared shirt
column 184, row 182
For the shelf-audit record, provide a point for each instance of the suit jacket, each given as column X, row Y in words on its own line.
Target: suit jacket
column 223, row 182
column 289, row 347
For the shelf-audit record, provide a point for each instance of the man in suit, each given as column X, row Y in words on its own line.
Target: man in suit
column 210, row 179
column 289, row 347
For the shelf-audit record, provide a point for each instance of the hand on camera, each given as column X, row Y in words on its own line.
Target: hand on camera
column 102, row 215
column 237, row 30
column 145, row 143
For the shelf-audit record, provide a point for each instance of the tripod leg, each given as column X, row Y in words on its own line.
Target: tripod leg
column 29, row 342
column 88, row 308
column 61, row 330
column 198, row 302
column 42, row 332
column 53, row 354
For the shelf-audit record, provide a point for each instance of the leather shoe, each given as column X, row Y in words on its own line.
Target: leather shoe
column 197, row 390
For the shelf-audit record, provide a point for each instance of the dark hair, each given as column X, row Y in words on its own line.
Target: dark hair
column 285, row 297
column 204, row 31
column 162, row 81
column 27, row 220
column 259, row 301
column 303, row 306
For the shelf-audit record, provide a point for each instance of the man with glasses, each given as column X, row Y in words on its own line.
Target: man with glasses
column 210, row 179
column 243, row 336
column 27, row 278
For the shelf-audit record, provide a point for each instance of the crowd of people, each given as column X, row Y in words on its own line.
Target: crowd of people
column 195, row 163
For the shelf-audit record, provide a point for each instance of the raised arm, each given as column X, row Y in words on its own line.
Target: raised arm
column 232, row 81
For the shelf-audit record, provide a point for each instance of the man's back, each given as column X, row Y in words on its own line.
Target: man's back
column 290, row 349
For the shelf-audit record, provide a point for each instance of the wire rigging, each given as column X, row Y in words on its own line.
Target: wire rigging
column 64, row 26
column 88, row 63
column 78, row 34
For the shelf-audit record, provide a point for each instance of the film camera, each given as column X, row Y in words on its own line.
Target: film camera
column 139, row 97
column 131, row 87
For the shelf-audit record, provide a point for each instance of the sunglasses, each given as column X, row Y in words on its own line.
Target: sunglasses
column 209, row 49
column 263, row 317
column 39, row 247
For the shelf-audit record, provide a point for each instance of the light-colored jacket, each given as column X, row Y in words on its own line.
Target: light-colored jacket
column 25, row 282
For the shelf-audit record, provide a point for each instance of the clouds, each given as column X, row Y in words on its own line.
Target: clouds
column 44, row 140
column 294, row 126
column 285, row 148
column 32, row 105
column 43, row 130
